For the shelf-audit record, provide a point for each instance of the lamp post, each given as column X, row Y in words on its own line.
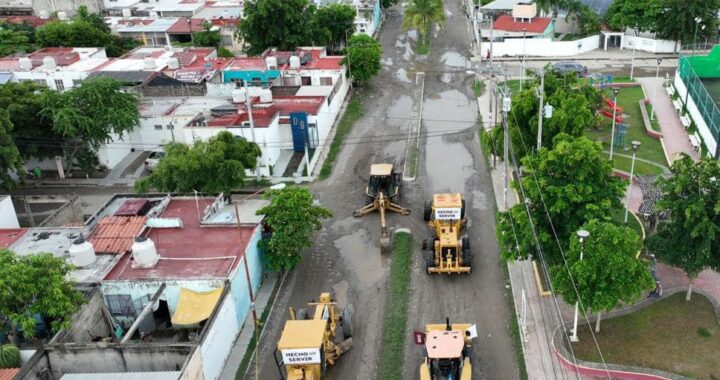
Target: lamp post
column 582, row 236
column 698, row 20
column 544, row 111
column 657, row 74
column 522, row 60
column 347, row 53
column 635, row 146
column 612, row 132
column 632, row 62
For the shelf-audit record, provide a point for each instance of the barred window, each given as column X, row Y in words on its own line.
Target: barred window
column 120, row 304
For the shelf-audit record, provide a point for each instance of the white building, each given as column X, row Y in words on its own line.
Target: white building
column 57, row 68
column 8, row 217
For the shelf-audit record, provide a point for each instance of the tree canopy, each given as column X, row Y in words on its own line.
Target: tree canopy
column 213, row 166
column 691, row 238
column 206, row 38
column 13, row 41
column 10, row 159
column 335, row 21
column 362, row 56
column 285, row 24
column 609, row 272
column 422, row 15
column 574, row 181
column 293, row 220
column 36, row 284
column 31, row 132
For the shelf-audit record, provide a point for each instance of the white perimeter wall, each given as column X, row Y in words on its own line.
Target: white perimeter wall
column 8, row 218
column 541, row 47
column 219, row 339
column 702, row 127
column 649, row 45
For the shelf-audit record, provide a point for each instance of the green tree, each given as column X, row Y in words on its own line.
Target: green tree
column 422, row 14
column 552, row 6
column 691, row 239
column 362, row 56
column 36, row 284
column 640, row 14
column 677, row 20
column 32, row 133
column 215, row 166
column 12, row 42
column 587, row 19
column 338, row 21
column 387, row 3
column 86, row 30
column 293, row 220
column 284, row 24
column 206, row 38
column 225, row 53
column 89, row 115
column 571, row 185
column 608, row 273
column 10, row 158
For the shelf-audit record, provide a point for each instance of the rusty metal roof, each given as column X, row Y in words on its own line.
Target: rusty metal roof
column 115, row 234
column 8, row 373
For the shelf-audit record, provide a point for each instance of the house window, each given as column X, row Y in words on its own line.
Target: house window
column 59, row 85
column 76, row 82
column 158, row 127
column 40, row 82
column 226, row 40
column 306, row 81
column 326, row 81
column 120, row 304
column 170, row 127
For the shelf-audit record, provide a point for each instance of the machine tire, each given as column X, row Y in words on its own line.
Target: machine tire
column 428, row 244
column 347, row 328
column 462, row 209
column 301, row 314
column 368, row 199
column 427, row 212
column 429, row 260
column 466, row 252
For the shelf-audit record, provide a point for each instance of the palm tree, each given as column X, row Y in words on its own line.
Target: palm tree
column 421, row 14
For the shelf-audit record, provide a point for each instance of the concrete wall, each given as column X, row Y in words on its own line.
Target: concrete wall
column 111, row 154
column 68, row 78
column 86, row 323
column 710, row 145
column 60, row 360
column 194, row 367
column 68, row 6
column 185, row 90
column 218, row 341
column 238, row 281
column 8, row 217
column 649, row 44
column 541, row 47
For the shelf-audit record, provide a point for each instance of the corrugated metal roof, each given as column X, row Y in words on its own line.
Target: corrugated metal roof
column 167, row 375
column 8, row 373
column 115, row 234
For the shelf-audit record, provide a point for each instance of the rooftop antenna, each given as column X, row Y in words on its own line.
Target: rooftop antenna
column 197, row 204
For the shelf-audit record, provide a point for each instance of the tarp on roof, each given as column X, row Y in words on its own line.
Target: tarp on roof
column 194, row 307
column 166, row 375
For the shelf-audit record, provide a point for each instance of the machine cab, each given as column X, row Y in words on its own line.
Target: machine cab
column 447, row 356
column 300, row 354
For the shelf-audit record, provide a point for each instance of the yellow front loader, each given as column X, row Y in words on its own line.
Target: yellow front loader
column 382, row 190
column 448, row 352
column 313, row 339
column 447, row 251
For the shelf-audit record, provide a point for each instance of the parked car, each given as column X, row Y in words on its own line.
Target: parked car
column 570, row 67
column 153, row 159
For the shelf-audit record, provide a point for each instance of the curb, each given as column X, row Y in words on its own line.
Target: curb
column 417, row 137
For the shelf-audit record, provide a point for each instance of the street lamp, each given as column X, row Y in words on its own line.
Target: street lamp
column 635, row 146
column 612, row 132
column 632, row 62
column 654, row 100
column 698, row 20
column 582, row 236
column 544, row 111
column 347, row 53
column 522, row 59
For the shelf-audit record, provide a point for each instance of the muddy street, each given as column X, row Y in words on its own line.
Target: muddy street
column 346, row 258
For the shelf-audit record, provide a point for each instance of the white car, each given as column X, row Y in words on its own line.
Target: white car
column 153, row 159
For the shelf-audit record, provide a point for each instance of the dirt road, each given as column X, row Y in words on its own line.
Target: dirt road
column 346, row 258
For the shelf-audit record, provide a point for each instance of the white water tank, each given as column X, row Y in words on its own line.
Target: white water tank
column 62, row 16
column 294, row 62
column 265, row 95
column 144, row 253
column 44, row 14
column 238, row 95
column 173, row 63
column 150, row 63
column 49, row 63
column 81, row 252
column 126, row 12
column 154, row 15
column 271, row 63
column 25, row 63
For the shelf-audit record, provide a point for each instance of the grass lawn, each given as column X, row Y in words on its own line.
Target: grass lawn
column 618, row 216
column 393, row 335
column 478, row 88
column 650, row 150
column 671, row 335
column 422, row 48
column 653, row 122
column 352, row 114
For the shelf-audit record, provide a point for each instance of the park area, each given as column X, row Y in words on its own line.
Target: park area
column 650, row 156
column 670, row 335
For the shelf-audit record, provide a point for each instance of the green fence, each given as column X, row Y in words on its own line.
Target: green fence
column 691, row 70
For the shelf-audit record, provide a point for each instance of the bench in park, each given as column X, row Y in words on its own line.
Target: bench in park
column 695, row 141
column 685, row 121
column 670, row 90
column 677, row 104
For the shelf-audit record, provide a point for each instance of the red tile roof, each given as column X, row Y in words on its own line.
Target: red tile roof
column 9, row 236
column 225, row 21
column 262, row 118
column 193, row 251
column 115, row 234
column 287, row 104
column 8, row 373
column 34, row 21
column 132, row 207
column 508, row 24
column 247, row 63
column 182, row 26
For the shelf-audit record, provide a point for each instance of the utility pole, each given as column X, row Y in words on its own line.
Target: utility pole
column 248, row 105
column 506, row 105
column 540, row 111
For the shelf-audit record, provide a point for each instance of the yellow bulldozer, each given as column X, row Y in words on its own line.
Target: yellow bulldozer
column 382, row 191
column 448, row 352
column 313, row 339
column 447, row 251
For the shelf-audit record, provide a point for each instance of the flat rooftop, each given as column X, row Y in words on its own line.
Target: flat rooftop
column 166, row 106
column 8, row 236
column 193, row 251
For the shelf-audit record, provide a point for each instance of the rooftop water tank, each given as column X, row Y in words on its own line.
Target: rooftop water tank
column 44, row 14
column 62, row 16
column 266, row 95
column 271, row 63
column 150, row 63
column 81, row 252
column 25, row 63
column 153, row 15
column 295, row 62
column 126, row 12
column 173, row 63
column 238, row 95
column 49, row 63
column 144, row 253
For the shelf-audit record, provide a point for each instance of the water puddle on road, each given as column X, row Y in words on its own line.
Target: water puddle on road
column 361, row 256
column 402, row 75
column 399, row 112
column 412, row 34
column 446, row 119
column 454, row 59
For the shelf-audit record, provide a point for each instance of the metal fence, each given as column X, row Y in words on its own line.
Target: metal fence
column 699, row 94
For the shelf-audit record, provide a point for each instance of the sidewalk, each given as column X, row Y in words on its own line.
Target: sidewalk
column 598, row 54
column 262, row 300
